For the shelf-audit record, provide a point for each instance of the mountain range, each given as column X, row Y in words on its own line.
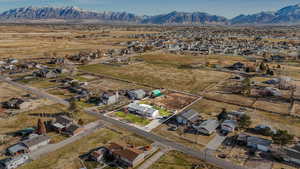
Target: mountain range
column 286, row 15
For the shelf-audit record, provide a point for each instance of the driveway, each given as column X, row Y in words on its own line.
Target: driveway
column 215, row 143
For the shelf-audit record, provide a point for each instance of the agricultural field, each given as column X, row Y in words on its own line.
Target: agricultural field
column 178, row 160
column 44, row 41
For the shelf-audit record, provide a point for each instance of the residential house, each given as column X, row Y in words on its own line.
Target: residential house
column 46, row 73
column 72, row 130
column 261, row 129
column 25, row 132
column 228, row 126
column 30, row 144
column 277, row 58
column 254, row 142
column 136, row 94
column 109, row 98
column 292, row 155
column 14, row 162
column 17, row 149
column 99, row 154
column 13, row 103
column 188, row 117
column 65, row 125
column 143, row 110
column 125, row 155
column 61, row 122
column 207, row 127
column 36, row 141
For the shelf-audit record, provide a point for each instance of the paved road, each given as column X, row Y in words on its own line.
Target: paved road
column 35, row 91
column 195, row 153
column 89, row 129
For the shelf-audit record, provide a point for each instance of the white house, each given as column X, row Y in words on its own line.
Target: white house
column 143, row 110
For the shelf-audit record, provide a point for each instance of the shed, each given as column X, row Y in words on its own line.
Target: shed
column 188, row 117
column 36, row 142
column 136, row 94
column 156, row 93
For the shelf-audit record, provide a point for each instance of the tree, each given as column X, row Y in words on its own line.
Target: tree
column 244, row 122
column 223, row 115
column 41, row 128
column 80, row 122
column 282, row 137
column 262, row 66
column 73, row 108
column 246, row 86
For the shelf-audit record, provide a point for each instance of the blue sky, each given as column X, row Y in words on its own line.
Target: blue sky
column 227, row 8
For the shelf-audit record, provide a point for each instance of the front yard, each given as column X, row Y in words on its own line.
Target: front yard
column 132, row 118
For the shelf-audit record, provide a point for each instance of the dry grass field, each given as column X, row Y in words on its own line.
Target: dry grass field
column 178, row 160
column 39, row 40
column 7, row 92
column 161, row 76
column 209, row 109
column 177, row 60
column 187, row 139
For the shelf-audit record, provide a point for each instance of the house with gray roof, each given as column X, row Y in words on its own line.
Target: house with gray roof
column 188, row 117
column 207, row 127
column 136, row 94
column 36, row 141
column 17, row 149
column 228, row 126
column 254, row 142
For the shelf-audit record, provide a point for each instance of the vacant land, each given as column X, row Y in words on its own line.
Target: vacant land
column 105, row 84
column 68, row 156
column 209, row 109
column 178, row 160
column 7, row 92
column 172, row 101
column 161, row 76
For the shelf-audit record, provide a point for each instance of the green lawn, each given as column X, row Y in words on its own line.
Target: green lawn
column 132, row 118
column 163, row 112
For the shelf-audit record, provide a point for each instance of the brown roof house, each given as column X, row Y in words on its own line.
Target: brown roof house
column 126, row 155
